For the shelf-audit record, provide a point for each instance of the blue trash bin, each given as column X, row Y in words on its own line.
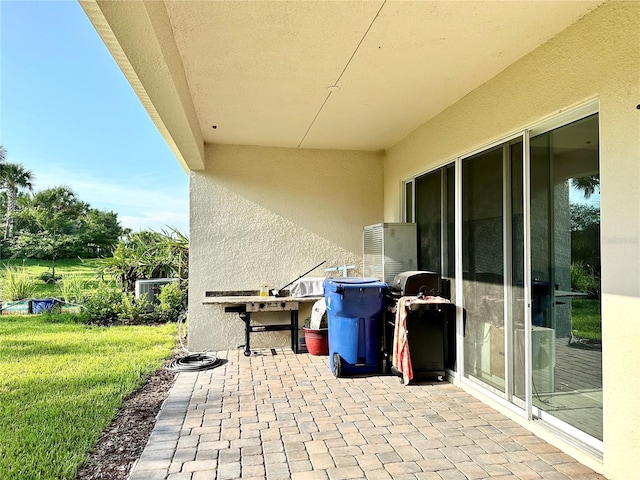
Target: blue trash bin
column 354, row 308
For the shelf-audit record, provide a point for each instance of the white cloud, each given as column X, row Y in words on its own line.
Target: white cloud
column 155, row 221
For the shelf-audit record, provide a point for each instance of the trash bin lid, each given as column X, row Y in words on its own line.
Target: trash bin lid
column 352, row 282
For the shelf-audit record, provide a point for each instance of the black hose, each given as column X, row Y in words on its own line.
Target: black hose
column 195, row 362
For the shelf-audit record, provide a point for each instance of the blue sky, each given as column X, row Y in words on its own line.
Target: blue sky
column 68, row 114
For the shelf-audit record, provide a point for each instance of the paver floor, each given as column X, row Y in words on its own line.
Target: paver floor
column 285, row 416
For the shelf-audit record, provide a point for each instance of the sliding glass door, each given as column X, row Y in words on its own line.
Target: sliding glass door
column 565, row 269
column 528, row 284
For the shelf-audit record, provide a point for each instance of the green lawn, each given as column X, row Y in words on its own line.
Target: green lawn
column 586, row 320
column 62, row 383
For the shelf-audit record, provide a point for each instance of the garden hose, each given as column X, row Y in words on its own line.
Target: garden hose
column 195, row 362
column 192, row 362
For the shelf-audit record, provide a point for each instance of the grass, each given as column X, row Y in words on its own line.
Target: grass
column 62, row 383
column 586, row 320
column 86, row 270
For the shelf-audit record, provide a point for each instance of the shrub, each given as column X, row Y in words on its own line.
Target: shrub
column 132, row 309
column 171, row 305
column 107, row 303
column 48, row 277
column 71, row 288
column 583, row 279
column 104, row 303
column 17, row 284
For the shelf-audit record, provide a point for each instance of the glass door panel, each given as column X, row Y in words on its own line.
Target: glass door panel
column 483, row 267
column 435, row 216
column 565, row 261
column 429, row 220
column 408, row 202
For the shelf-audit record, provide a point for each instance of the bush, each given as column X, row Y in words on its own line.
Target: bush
column 171, row 305
column 48, row 277
column 107, row 303
column 583, row 279
column 104, row 303
column 132, row 309
column 17, row 284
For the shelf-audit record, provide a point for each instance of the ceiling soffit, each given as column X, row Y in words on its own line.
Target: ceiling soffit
column 260, row 71
column 355, row 75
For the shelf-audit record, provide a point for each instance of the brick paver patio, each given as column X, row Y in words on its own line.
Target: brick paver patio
column 285, row 416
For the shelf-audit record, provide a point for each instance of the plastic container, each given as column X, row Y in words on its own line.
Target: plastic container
column 21, row 307
column 41, row 305
column 70, row 308
column 354, row 307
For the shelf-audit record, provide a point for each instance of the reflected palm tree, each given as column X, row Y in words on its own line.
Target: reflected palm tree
column 589, row 184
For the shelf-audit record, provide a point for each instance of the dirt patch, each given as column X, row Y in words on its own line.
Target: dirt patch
column 123, row 441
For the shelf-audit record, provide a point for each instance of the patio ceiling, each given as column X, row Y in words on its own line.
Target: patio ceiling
column 357, row 75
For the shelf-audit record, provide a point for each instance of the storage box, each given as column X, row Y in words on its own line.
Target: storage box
column 42, row 305
column 70, row 309
column 21, row 307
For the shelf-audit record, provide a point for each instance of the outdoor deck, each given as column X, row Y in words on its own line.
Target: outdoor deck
column 285, row 416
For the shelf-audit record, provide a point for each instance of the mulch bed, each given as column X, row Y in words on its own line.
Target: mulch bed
column 123, row 441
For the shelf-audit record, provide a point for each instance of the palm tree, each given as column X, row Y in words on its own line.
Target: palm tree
column 13, row 176
column 3, row 154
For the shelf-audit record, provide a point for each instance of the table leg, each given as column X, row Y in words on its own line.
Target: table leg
column 294, row 331
column 246, row 317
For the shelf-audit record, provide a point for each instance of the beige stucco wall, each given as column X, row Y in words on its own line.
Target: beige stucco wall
column 269, row 215
column 598, row 57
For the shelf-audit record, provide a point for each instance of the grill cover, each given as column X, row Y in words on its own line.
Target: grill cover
column 411, row 282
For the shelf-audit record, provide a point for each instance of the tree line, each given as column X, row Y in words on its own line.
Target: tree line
column 51, row 223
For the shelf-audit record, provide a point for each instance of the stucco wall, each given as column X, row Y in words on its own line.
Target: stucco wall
column 269, row 215
column 598, row 57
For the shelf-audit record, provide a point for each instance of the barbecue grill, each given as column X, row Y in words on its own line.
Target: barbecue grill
column 416, row 283
column 430, row 326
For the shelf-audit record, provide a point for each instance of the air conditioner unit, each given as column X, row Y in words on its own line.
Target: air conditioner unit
column 389, row 249
column 150, row 288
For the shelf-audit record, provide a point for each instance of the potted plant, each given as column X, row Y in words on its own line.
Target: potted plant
column 316, row 331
